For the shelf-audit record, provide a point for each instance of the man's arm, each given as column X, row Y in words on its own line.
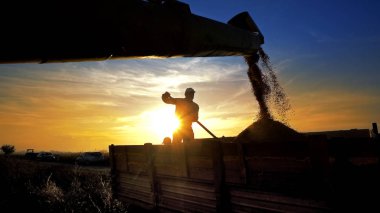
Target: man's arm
column 166, row 98
column 195, row 112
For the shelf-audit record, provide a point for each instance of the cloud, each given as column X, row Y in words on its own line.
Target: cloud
column 96, row 104
column 321, row 37
column 76, row 102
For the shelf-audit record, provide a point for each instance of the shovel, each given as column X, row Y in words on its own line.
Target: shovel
column 209, row 132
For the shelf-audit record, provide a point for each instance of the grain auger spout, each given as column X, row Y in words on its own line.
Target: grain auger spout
column 69, row 31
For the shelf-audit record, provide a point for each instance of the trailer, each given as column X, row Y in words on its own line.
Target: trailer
column 318, row 174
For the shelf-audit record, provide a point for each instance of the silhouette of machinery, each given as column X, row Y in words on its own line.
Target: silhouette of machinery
column 69, row 31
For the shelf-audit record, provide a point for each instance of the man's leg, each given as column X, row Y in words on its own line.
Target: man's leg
column 177, row 137
column 188, row 135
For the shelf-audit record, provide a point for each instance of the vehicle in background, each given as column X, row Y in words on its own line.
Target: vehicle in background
column 46, row 156
column 30, row 154
column 87, row 158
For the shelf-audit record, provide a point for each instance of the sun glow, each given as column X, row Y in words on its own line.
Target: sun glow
column 162, row 121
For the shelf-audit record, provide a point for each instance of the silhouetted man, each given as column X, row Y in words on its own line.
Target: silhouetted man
column 187, row 112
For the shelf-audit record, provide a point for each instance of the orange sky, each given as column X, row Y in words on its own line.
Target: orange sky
column 326, row 56
column 88, row 106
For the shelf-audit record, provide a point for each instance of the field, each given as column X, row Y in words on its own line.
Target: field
column 28, row 185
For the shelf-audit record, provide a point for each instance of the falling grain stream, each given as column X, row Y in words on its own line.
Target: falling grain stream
column 267, row 92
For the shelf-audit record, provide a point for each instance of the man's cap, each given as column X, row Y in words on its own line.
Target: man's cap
column 189, row 90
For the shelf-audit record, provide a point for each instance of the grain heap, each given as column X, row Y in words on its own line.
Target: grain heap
column 267, row 90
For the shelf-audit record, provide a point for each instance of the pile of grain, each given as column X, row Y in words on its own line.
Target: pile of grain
column 268, row 130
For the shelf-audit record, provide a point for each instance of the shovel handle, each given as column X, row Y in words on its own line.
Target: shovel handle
column 209, row 132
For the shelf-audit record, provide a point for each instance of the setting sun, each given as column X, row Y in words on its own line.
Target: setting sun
column 162, row 121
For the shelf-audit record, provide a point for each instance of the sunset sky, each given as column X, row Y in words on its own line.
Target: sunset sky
column 326, row 55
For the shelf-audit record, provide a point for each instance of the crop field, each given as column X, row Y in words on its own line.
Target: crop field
column 33, row 186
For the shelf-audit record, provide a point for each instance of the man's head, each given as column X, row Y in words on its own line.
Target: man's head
column 189, row 93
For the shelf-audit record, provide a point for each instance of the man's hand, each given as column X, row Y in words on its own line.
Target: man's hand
column 165, row 97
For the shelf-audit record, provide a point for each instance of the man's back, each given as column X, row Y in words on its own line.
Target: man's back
column 186, row 110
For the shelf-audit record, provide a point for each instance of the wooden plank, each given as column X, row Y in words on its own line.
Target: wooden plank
column 113, row 171
column 139, row 196
column 170, row 158
column 187, row 184
column 200, row 162
column 230, row 149
column 135, row 149
column 274, row 197
column 199, row 149
column 162, row 151
column 275, row 164
column 353, row 147
column 136, row 157
column 231, row 162
column 127, row 187
column 136, row 201
column 133, row 184
column 275, row 202
column 280, row 149
column 263, row 206
column 234, row 169
column 234, row 176
column 137, row 168
column 319, row 157
column 120, row 149
column 244, row 173
column 177, row 205
column 170, row 170
column 190, row 192
column 133, row 177
column 143, row 182
column 138, row 181
column 201, row 174
column 127, row 179
column 189, row 197
column 111, row 150
column 364, row 161
column 121, row 164
column 180, row 157
column 185, row 202
column 222, row 198
column 149, row 152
